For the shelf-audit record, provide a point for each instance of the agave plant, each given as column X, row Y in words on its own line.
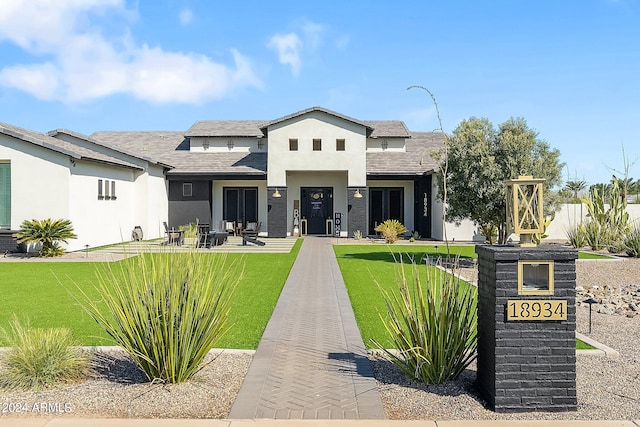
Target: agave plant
column 166, row 310
column 390, row 230
column 48, row 233
column 433, row 325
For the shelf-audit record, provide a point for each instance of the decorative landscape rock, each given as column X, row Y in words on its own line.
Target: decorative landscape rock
column 612, row 300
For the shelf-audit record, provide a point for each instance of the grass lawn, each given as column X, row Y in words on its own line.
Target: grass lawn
column 581, row 345
column 40, row 292
column 363, row 265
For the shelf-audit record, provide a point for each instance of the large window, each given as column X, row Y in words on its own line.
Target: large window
column 5, row 195
column 240, row 204
column 385, row 203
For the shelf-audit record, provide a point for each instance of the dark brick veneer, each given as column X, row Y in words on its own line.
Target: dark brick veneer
column 277, row 212
column 525, row 366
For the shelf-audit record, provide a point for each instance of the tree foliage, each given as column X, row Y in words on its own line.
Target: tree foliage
column 481, row 158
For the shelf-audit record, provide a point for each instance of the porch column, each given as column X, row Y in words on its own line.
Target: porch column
column 357, row 210
column 277, row 212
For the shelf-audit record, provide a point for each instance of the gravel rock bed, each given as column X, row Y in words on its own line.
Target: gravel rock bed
column 606, row 388
column 119, row 389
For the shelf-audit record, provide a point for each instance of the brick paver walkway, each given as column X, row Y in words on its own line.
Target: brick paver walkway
column 311, row 362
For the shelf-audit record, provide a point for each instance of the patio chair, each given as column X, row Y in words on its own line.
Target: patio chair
column 203, row 235
column 230, row 227
column 174, row 236
column 250, row 234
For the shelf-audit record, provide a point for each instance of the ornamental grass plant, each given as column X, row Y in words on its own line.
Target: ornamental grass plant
column 41, row 357
column 432, row 321
column 167, row 310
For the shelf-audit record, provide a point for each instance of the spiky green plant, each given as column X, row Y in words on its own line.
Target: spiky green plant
column 632, row 242
column 432, row 321
column 577, row 236
column 39, row 358
column 167, row 310
column 390, row 230
column 48, row 232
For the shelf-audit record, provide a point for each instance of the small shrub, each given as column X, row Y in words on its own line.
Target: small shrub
column 41, row 357
column 48, row 233
column 357, row 235
column 632, row 242
column 167, row 310
column 433, row 325
column 390, row 230
column 577, row 236
column 596, row 235
column 190, row 230
column 490, row 233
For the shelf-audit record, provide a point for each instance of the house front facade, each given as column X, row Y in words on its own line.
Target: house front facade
column 315, row 171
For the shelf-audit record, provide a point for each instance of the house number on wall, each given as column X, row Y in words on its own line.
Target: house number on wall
column 537, row 309
column 425, row 202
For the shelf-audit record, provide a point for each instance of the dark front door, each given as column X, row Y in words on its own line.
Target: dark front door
column 316, row 207
column 385, row 203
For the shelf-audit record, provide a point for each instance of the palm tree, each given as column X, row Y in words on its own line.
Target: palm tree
column 48, row 232
column 625, row 185
column 576, row 187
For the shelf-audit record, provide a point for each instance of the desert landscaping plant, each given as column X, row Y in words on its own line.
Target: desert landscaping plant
column 432, row 322
column 632, row 242
column 40, row 358
column 167, row 310
column 48, row 232
column 390, row 230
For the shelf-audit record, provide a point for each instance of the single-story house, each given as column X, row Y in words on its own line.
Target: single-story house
column 315, row 171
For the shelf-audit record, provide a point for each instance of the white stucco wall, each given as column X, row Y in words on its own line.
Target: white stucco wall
column 100, row 222
column 39, row 181
column 151, row 201
column 336, row 180
column 316, row 125
column 227, row 145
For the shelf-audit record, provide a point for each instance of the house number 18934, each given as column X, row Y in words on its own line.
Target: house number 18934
column 536, row 310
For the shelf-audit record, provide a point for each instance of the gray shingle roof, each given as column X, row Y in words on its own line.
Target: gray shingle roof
column 321, row 109
column 63, row 147
column 416, row 160
column 87, row 138
column 227, row 128
column 172, row 148
column 388, row 129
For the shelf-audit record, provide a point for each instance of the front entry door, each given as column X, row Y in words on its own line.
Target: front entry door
column 316, row 207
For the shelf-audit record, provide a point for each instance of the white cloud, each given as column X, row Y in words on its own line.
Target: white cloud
column 288, row 47
column 82, row 63
column 313, row 34
column 185, row 16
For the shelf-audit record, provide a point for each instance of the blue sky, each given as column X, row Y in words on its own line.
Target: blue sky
column 570, row 68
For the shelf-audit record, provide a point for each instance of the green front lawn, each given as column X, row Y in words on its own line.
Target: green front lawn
column 40, row 291
column 363, row 266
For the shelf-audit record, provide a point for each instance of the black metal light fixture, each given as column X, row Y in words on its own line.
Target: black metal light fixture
column 590, row 301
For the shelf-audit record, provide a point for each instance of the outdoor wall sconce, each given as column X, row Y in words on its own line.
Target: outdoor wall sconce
column 357, row 194
column 525, row 208
column 276, row 194
column 205, row 145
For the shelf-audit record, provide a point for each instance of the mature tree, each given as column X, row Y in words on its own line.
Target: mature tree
column 481, row 158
